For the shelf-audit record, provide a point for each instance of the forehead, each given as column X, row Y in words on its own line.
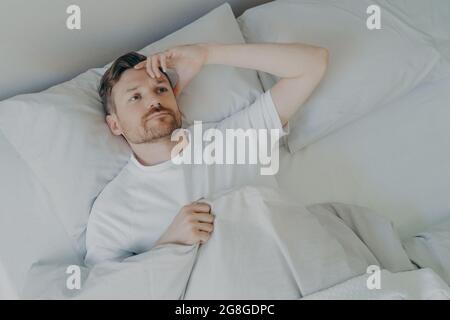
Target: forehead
column 133, row 78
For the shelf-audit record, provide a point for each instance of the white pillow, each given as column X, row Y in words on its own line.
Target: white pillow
column 29, row 229
column 62, row 137
column 367, row 69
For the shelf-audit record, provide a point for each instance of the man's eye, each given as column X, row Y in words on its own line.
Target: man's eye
column 135, row 98
column 162, row 88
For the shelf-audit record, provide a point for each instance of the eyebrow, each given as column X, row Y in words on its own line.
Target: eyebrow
column 158, row 81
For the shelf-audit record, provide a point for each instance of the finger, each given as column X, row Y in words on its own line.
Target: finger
column 141, row 64
column 164, row 62
column 159, row 66
column 149, row 67
column 155, row 65
column 200, row 207
column 203, row 236
column 208, row 227
column 204, row 217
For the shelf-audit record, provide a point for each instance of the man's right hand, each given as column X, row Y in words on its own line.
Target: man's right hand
column 194, row 223
column 187, row 61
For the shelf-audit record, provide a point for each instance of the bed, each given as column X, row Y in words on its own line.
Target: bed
column 394, row 159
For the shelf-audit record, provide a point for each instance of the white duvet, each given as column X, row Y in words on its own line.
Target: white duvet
column 264, row 246
column 423, row 284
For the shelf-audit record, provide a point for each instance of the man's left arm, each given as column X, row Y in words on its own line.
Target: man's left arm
column 300, row 67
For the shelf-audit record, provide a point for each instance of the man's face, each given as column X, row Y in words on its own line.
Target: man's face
column 146, row 108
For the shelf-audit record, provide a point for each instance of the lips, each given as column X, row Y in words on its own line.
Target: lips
column 158, row 114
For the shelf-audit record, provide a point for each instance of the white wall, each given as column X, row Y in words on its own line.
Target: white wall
column 37, row 50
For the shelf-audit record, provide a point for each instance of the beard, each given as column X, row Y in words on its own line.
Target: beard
column 159, row 128
column 155, row 129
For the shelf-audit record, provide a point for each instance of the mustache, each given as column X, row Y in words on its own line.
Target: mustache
column 158, row 109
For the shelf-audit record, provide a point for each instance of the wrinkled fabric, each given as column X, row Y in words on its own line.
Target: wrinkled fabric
column 265, row 245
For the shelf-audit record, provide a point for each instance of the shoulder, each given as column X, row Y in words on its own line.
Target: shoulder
column 106, row 211
column 114, row 192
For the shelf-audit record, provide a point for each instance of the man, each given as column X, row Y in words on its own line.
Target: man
column 153, row 200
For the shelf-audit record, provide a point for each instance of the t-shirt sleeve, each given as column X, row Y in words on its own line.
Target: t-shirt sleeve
column 103, row 241
column 261, row 114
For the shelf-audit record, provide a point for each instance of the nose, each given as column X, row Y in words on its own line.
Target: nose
column 153, row 104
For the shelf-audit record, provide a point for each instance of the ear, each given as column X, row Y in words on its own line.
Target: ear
column 113, row 124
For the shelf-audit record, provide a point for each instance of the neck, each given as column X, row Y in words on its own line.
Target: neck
column 152, row 153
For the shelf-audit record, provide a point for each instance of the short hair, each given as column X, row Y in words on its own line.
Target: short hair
column 113, row 74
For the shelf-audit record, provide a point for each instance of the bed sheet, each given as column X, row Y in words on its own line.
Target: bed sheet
column 395, row 161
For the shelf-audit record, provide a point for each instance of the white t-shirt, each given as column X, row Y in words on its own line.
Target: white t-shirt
column 138, row 205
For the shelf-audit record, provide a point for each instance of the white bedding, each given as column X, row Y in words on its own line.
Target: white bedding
column 431, row 249
column 265, row 246
column 423, row 284
column 366, row 70
column 395, row 161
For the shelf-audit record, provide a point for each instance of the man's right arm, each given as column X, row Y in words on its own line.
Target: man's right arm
column 194, row 223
